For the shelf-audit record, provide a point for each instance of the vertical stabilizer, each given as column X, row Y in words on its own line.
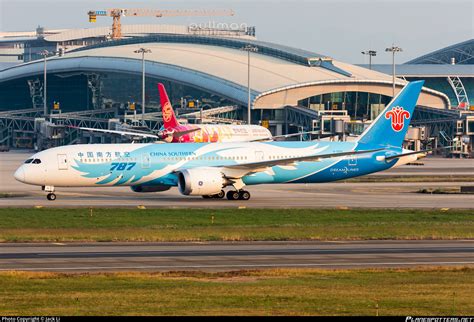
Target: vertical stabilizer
column 390, row 127
column 169, row 118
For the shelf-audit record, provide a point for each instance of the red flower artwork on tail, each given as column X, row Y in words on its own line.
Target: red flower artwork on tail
column 398, row 116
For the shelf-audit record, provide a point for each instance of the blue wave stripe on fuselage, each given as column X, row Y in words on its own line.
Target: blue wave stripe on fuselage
column 164, row 155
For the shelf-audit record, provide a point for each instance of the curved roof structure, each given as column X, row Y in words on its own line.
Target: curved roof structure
column 135, row 31
column 426, row 70
column 128, row 30
column 463, row 53
column 280, row 75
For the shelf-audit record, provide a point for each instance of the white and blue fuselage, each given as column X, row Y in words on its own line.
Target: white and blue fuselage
column 206, row 168
column 157, row 164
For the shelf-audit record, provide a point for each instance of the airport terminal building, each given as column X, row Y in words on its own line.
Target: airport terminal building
column 97, row 82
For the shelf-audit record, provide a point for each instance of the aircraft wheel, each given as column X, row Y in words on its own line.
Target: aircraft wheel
column 244, row 195
column 220, row 195
column 51, row 196
column 233, row 195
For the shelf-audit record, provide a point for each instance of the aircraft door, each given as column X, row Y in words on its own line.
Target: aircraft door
column 62, row 162
column 353, row 161
column 146, row 161
column 259, row 156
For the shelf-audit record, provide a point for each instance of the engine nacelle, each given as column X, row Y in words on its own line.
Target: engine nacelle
column 156, row 188
column 200, row 181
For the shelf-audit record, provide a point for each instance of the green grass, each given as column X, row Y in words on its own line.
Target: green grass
column 29, row 224
column 412, row 178
column 427, row 291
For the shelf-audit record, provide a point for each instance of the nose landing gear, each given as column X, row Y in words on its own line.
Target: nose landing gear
column 51, row 196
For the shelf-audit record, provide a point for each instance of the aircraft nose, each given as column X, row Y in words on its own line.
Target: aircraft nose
column 20, row 174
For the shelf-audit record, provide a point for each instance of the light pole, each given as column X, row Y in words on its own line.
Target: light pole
column 394, row 49
column 45, row 54
column 370, row 53
column 143, row 51
column 248, row 49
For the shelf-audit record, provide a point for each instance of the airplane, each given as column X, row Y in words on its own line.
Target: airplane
column 206, row 169
column 174, row 132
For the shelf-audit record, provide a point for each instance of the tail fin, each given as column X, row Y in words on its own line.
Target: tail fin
column 390, row 127
column 169, row 118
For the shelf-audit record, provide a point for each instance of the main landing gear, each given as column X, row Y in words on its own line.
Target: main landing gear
column 238, row 195
column 231, row 195
column 219, row 195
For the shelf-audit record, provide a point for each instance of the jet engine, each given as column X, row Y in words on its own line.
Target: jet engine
column 200, row 181
column 156, row 188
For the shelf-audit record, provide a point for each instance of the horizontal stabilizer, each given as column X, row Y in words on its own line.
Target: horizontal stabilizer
column 414, row 152
column 178, row 134
column 405, row 154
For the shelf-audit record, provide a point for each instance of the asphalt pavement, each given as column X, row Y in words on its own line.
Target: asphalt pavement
column 227, row 256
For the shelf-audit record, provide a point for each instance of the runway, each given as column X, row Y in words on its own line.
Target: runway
column 325, row 195
column 222, row 256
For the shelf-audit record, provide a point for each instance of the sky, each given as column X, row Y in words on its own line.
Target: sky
column 337, row 28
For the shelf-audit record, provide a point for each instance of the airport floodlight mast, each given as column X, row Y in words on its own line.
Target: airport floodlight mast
column 249, row 49
column 394, row 49
column 116, row 14
column 143, row 51
column 370, row 53
column 45, row 54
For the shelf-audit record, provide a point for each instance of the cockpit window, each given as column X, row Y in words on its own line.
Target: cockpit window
column 28, row 161
column 36, row 161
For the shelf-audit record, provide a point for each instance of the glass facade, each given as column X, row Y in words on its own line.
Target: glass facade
column 359, row 105
column 442, row 85
column 86, row 91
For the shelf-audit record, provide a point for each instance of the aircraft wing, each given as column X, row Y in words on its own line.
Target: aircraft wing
column 302, row 133
column 240, row 170
column 128, row 133
column 277, row 137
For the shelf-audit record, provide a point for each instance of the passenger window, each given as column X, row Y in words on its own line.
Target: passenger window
column 28, row 161
column 36, row 161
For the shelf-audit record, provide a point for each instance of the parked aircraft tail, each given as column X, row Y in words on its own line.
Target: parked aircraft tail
column 169, row 118
column 390, row 127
